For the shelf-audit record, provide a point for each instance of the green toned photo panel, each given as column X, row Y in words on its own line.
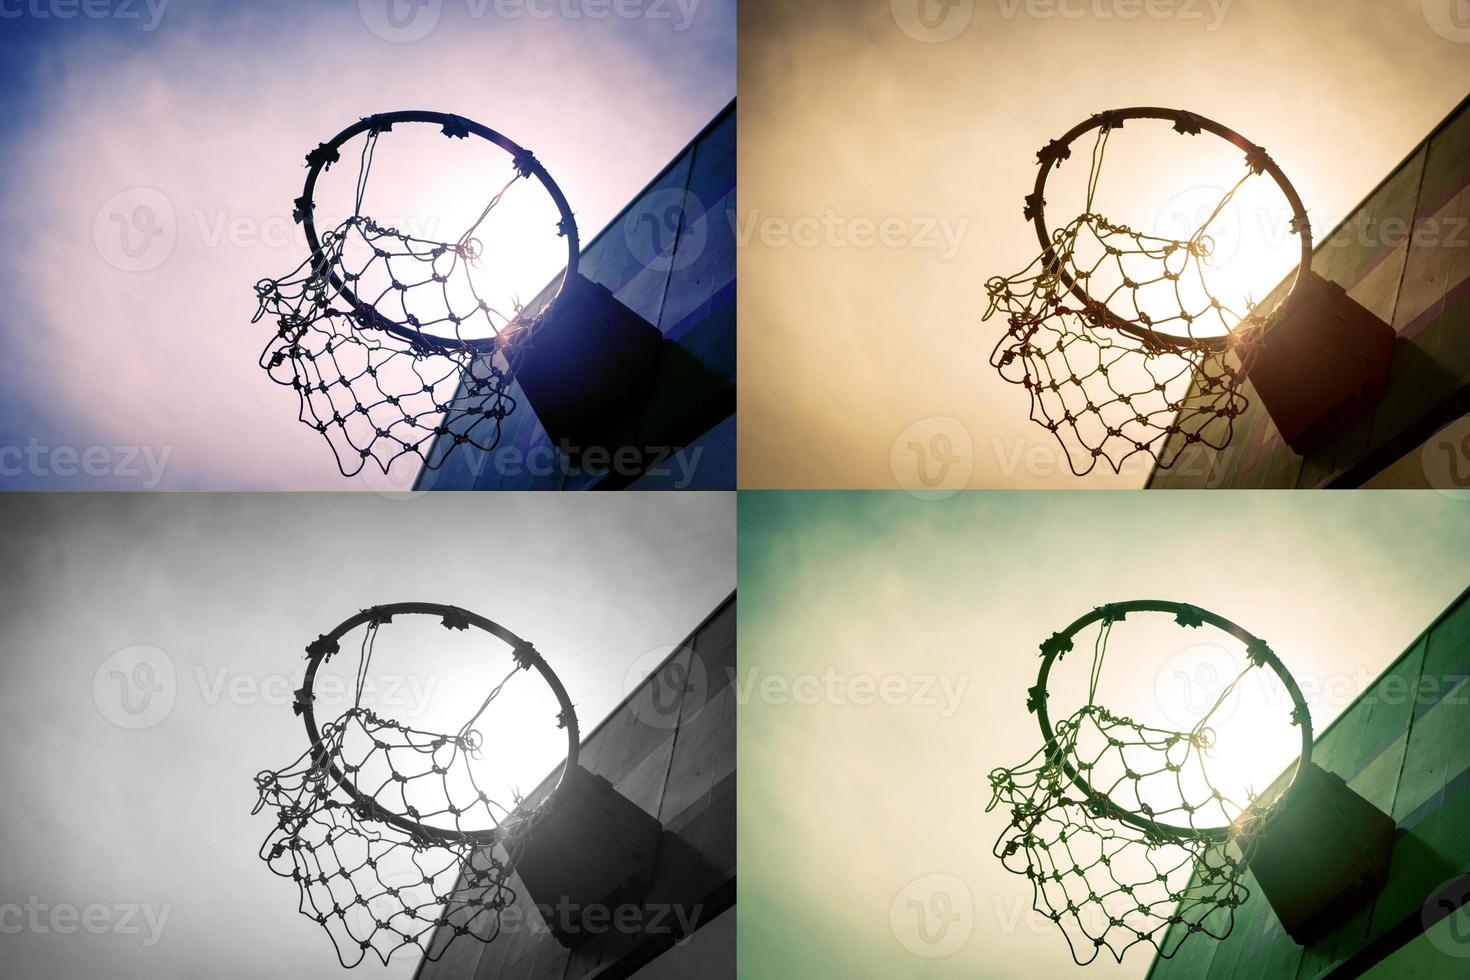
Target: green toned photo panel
column 889, row 680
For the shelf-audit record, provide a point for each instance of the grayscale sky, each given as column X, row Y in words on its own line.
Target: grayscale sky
column 129, row 774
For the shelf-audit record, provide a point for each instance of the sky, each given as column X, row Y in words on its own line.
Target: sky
column 886, row 148
column 132, row 363
column 887, row 644
column 153, row 642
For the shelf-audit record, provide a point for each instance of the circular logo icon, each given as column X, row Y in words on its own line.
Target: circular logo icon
column 1450, row 19
column 667, row 230
column 1446, row 458
column 397, row 483
column 1192, row 680
column 933, row 21
column 1446, row 918
column 135, row 687
column 400, row 21
column 1185, row 214
column 667, row 693
column 933, row 458
column 933, row 916
column 135, row 230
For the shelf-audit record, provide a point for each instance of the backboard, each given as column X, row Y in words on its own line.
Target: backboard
column 1405, row 747
column 670, row 257
column 670, row 749
column 1404, row 254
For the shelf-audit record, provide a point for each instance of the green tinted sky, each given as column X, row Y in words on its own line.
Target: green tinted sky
column 851, row 794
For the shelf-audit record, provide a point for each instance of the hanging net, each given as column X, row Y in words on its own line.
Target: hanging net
column 388, row 836
column 1117, row 338
column 1121, row 833
column 386, row 338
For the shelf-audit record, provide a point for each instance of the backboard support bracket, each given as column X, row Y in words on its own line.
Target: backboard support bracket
column 1319, row 854
column 1322, row 364
column 590, row 860
column 586, row 365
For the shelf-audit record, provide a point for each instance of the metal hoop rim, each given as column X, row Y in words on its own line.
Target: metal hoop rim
column 327, row 645
column 1059, row 149
column 319, row 160
column 1060, row 643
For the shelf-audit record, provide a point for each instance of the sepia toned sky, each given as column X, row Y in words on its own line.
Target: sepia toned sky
column 887, row 644
column 887, row 146
column 185, row 126
column 153, row 645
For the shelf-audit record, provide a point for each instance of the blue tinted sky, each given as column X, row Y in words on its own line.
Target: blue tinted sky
column 210, row 108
